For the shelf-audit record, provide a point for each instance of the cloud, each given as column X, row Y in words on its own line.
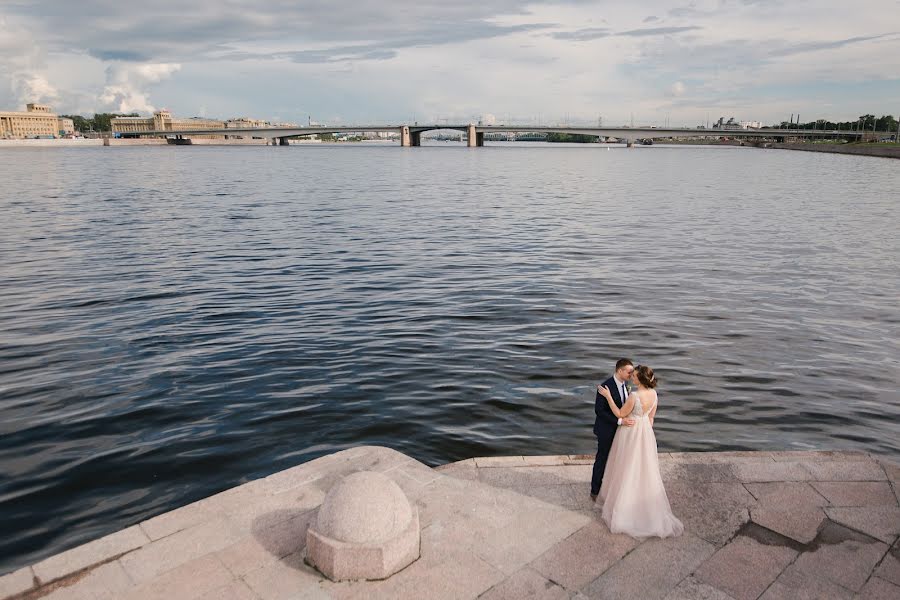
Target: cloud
column 658, row 31
column 126, row 85
column 400, row 59
column 582, row 35
column 33, row 87
column 826, row 45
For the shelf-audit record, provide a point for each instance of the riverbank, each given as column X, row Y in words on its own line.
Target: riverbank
column 883, row 151
column 93, row 142
column 757, row 524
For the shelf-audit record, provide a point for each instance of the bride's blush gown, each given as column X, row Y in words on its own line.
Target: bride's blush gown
column 634, row 498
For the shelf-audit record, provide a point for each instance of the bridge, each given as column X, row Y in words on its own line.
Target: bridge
column 411, row 135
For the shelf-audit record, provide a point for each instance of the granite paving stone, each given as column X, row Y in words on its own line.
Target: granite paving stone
column 500, row 461
column 880, row 522
column 470, row 473
column 718, row 457
column 582, row 557
column 713, row 523
column 546, row 461
column 517, row 527
column 525, row 584
column 465, row 463
column 558, row 495
column 800, row 523
column 784, row 494
column 266, row 545
column 236, row 590
column 528, row 476
column 168, row 553
column 891, row 469
column 745, row 567
column 793, row 584
column 889, row 568
column 187, row 582
column 181, row 518
column 89, row 554
column 694, row 589
column 16, row 582
column 845, row 471
column 710, row 510
column 776, row 471
column 271, row 509
column 726, row 495
column 841, row 556
column 856, row 493
column 879, row 589
column 108, row 581
column 522, row 540
column 581, row 459
column 286, row 579
column 651, row 570
column 820, row 455
column 460, row 578
column 697, row 472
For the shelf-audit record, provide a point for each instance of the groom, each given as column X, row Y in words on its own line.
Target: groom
column 606, row 422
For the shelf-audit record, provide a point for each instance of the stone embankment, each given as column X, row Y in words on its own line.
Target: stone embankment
column 883, row 151
column 757, row 525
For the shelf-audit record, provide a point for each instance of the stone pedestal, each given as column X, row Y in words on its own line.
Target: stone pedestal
column 366, row 529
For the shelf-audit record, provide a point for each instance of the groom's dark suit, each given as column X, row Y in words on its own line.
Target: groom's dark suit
column 605, row 429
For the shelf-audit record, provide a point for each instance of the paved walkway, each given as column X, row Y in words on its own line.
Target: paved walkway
column 758, row 525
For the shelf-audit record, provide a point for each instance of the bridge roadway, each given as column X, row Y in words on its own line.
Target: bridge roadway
column 411, row 135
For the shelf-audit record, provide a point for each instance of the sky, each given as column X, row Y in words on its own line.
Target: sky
column 456, row 61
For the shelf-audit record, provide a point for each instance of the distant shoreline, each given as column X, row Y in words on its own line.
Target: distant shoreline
column 857, row 149
column 881, row 151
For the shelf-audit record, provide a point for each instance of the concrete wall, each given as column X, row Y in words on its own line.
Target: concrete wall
column 861, row 149
column 54, row 143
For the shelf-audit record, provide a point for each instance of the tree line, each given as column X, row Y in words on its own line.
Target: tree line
column 100, row 122
column 864, row 123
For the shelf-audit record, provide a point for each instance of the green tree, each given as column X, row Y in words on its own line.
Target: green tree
column 571, row 137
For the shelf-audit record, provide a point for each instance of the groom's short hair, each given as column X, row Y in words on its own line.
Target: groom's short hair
column 623, row 362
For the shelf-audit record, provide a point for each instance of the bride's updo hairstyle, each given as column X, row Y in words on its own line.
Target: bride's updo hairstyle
column 645, row 376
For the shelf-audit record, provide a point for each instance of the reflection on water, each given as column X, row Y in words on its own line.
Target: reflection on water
column 175, row 321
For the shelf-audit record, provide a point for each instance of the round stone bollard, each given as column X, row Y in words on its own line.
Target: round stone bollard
column 366, row 529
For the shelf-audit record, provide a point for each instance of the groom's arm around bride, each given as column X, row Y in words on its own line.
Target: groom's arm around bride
column 605, row 422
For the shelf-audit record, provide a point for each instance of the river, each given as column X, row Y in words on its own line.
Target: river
column 175, row 321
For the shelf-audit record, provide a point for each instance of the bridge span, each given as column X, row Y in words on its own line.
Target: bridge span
column 411, row 135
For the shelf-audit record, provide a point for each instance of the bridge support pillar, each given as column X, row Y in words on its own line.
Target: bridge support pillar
column 283, row 142
column 629, row 143
column 405, row 139
column 415, row 138
column 472, row 136
column 479, row 139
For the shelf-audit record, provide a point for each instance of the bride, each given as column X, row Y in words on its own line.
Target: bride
column 635, row 500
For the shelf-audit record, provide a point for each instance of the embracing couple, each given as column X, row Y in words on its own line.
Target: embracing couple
column 626, row 471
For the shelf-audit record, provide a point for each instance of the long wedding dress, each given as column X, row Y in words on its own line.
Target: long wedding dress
column 635, row 500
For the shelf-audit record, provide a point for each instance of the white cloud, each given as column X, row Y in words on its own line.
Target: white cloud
column 34, row 87
column 127, row 85
column 389, row 60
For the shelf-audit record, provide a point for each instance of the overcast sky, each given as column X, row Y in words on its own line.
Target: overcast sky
column 392, row 61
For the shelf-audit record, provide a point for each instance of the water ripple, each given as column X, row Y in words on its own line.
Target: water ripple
column 232, row 312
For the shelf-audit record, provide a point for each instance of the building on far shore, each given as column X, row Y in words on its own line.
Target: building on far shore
column 162, row 120
column 66, row 126
column 38, row 120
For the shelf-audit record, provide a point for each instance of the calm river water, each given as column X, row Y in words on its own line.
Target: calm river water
column 177, row 321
